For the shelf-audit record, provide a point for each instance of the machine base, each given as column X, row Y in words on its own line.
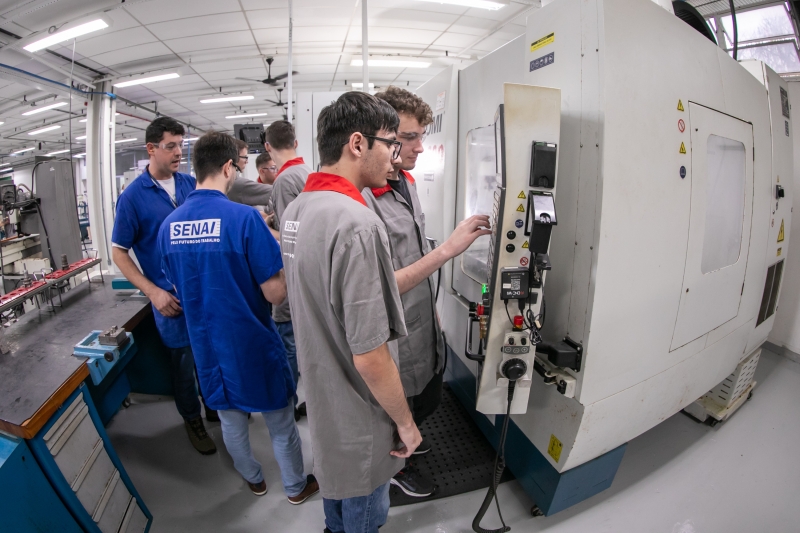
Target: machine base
column 552, row 491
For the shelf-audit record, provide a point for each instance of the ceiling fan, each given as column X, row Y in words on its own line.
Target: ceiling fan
column 280, row 102
column 269, row 79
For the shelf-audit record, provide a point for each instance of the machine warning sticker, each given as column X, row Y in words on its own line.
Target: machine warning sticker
column 785, row 103
column 521, row 208
column 554, row 448
column 525, row 245
column 680, row 106
column 780, row 233
column 523, row 261
column 519, row 223
column 681, row 126
column 683, row 148
column 779, row 251
column 543, row 61
column 544, row 41
column 521, row 195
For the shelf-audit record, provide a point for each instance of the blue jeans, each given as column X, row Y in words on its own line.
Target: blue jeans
column 183, row 382
column 287, row 336
column 363, row 514
column 285, row 445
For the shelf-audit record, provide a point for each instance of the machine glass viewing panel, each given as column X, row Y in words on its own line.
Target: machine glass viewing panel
column 483, row 182
column 724, row 203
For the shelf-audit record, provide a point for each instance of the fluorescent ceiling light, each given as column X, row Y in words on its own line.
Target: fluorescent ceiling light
column 83, row 120
column 24, row 150
column 57, row 152
column 226, row 99
column 2, row 122
column 5, row 164
column 82, row 137
column 44, row 108
column 65, row 35
column 125, row 141
column 79, row 155
column 404, row 63
column 7, row 170
column 244, row 115
column 360, row 85
column 151, row 79
column 483, row 4
column 42, row 130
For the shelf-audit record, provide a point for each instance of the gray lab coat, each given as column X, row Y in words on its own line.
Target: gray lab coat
column 422, row 351
column 244, row 191
column 286, row 188
column 344, row 303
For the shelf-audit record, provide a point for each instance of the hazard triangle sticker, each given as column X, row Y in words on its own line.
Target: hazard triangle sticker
column 780, row 233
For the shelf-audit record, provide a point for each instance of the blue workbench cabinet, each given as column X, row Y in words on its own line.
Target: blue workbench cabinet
column 28, row 502
column 75, row 454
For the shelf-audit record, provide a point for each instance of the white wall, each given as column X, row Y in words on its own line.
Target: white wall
column 786, row 332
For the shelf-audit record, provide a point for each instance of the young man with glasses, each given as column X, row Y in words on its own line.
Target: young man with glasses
column 227, row 269
column 243, row 190
column 141, row 209
column 281, row 145
column 421, row 353
column 346, row 309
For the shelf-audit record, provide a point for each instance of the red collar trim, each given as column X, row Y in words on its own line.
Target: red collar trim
column 322, row 181
column 377, row 192
column 291, row 163
column 408, row 177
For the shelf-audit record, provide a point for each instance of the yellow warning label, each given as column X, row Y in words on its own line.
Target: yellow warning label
column 780, row 233
column 779, row 251
column 683, row 148
column 544, row 41
column 521, row 195
column 521, row 209
column 525, row 245
column 680, row 106
column 554, row 448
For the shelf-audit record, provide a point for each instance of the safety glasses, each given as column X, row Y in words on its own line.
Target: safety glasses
column 394, row 145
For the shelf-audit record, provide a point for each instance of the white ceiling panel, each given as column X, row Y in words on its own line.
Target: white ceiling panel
column 156, row 11
column 231, row 64
column 210, row 41
column 383, row 34
column 108, row 42
column 189, row 27
column 235, row 52
column 132, row 53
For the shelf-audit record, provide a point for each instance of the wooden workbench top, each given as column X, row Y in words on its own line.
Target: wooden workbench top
column 40, row 372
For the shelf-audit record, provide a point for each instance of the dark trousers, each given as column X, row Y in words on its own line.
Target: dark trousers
column 183, row 381
column 426, row 402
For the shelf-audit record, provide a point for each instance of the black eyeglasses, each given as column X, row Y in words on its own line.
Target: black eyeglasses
column 395, row 145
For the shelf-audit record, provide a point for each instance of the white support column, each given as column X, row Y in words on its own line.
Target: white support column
column 365, row 46
column 289, row 80
column 100, row 186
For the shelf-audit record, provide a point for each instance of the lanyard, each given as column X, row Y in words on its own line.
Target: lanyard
column 171, row 198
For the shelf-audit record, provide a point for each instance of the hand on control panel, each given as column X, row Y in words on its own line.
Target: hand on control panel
column 465, row 234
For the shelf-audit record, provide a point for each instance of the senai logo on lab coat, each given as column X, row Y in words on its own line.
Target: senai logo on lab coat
column 195, row 230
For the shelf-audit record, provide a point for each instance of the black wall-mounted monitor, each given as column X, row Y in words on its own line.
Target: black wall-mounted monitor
column 252, row 134
column 543, row 165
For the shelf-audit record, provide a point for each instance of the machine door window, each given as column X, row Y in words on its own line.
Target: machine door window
column 721, row 181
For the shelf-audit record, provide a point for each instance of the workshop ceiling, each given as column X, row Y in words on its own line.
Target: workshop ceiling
column 211, row 43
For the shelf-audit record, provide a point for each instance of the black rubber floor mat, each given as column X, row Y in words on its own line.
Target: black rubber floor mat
column 461, row 459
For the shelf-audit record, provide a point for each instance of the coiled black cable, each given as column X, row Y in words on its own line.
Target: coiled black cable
column 499, row 467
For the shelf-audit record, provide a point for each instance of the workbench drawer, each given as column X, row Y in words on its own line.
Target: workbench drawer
column 113, row 506
column 135, row 521
column 72, row 439
column 94, row 478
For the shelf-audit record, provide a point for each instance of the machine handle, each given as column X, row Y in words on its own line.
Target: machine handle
column 468, row 345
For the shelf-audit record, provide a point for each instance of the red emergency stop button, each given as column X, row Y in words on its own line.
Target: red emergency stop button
column 518, row 322
column 480, row 310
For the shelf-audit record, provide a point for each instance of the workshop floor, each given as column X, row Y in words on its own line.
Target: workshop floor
column 680, row 477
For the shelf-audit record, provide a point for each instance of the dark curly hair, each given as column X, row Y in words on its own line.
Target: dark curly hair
column 407, row 102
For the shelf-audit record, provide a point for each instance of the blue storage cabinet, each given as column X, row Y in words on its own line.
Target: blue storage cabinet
column 28, row 503
column 75, row 454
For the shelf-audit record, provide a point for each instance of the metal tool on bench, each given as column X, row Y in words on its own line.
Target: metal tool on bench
column 103, row 350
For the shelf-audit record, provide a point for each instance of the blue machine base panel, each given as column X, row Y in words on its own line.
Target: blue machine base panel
column 552, row 491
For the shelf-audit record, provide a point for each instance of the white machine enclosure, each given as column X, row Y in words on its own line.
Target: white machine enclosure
column 663, row 311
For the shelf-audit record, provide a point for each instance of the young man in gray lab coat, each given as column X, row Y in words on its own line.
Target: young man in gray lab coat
column 345, row 310
column 421, row 353
column 281, row 145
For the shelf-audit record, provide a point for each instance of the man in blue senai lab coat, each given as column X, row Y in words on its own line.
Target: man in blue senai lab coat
column 141, row 209
column 226, row 267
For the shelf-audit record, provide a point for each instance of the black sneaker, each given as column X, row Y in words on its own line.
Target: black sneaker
column 423, row 448
column 212, row 416
column 300, row 412
column 412, row 483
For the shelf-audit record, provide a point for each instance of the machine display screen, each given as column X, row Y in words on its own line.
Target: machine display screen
column 483, row 182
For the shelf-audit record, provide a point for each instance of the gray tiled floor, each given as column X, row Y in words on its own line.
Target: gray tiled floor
column 680, row 477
